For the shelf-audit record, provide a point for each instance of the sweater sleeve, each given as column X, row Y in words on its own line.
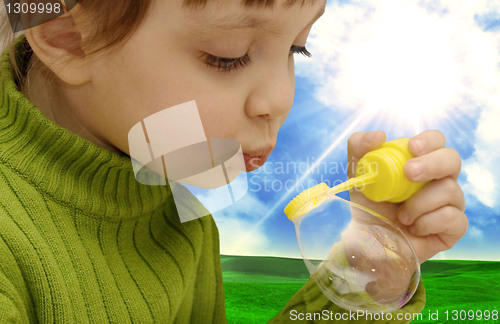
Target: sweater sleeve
column 9, row 299
column 310, row 300
column 13, row 292
column 204, row 300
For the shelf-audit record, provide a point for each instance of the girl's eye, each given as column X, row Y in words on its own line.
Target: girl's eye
column 225, row 64
column 300, row 50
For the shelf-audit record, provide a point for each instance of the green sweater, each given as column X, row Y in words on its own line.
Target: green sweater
column 81, row 241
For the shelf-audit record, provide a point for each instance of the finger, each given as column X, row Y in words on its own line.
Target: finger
column 448, row 223
column 444, row 162
column 426, row 142
column 434, row 195
column 361, row 143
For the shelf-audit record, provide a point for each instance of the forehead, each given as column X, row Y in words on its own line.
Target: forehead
column 254, row 3
column 226, row 15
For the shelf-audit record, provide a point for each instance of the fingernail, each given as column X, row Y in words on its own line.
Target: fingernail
column 416, row 168
column 404, row 218
column 418, row 145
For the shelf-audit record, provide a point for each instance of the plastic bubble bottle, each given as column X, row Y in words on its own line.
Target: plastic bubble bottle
column 358, row 258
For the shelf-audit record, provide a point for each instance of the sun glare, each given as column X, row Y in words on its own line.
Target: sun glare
column 402, row 63
column 406, row 68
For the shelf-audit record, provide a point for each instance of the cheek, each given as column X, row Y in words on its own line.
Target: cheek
column 221, row 118
column 152, row 83
column 142, row 89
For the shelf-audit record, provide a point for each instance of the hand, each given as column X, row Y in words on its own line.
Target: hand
column 433, row 219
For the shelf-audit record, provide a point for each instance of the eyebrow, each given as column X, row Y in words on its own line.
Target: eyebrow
column 248, row 23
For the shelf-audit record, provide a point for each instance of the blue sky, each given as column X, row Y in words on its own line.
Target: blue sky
column 401, row 67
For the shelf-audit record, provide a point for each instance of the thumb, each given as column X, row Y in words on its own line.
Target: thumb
column 359, row 144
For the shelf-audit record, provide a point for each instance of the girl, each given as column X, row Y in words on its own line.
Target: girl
column 80, row 239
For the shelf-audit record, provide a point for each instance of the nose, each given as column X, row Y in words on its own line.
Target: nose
column 273, row 94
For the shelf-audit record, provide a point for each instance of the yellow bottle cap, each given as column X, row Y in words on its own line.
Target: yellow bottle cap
column 308, row 198
column 388, row 162
column 379, row 176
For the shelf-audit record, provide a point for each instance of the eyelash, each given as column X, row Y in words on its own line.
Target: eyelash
column 225, row 64
column 300, row 50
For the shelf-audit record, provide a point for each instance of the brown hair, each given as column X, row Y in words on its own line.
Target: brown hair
column 111, row 23
column 115, row 24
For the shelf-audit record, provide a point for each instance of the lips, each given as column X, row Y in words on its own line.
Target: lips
column 255, row 159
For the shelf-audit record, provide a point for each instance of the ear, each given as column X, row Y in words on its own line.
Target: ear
column 57, row 44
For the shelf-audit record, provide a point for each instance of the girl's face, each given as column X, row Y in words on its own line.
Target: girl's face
column 235, row 61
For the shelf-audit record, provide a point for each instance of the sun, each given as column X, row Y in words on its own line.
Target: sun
column 400, row 63
column 407, row 68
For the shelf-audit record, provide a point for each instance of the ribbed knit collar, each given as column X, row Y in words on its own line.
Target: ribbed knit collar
column 71, row 170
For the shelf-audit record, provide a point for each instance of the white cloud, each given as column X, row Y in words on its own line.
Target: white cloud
column 475, row 233
column 237, row 230
column 403, row 59
column 481, row 169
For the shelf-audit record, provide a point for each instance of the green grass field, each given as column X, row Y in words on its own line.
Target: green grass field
column 257, row 288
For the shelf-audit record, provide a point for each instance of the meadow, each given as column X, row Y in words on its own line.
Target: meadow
column 257, row 288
